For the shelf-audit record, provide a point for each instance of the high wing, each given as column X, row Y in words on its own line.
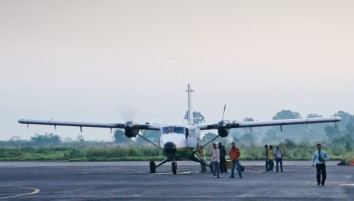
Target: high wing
column 128, row 124
column 228, row 125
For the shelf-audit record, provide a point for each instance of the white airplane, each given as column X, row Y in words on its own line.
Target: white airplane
column 181, row 142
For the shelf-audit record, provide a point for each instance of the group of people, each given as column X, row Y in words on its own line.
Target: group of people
column 318, row 159
column 218, row 160
column 269, row 159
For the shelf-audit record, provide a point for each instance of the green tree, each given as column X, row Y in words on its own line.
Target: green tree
column 346, row 118
column 297, row 132
column 289, row 144
column 348, row 142
column 332, row 132
column 272, row 136
column 46, row 139
column 248, row 138
column 349, row 131
column 313, row 115
column 247, row 130
column 198, row 118
column 80, row 138
column 120, row 138
column 248, row 119
column 287, row 114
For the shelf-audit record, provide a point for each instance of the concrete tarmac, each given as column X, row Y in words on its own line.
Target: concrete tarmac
column 132, row 181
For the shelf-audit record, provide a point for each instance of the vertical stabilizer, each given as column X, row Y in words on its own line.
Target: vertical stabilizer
column 190, row 110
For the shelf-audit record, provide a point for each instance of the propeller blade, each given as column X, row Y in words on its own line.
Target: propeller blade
column 223, row 113
column 127, row 112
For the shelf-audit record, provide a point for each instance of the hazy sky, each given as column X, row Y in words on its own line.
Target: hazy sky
column 83, row 60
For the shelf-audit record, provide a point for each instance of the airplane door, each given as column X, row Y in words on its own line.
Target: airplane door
column 192, row 137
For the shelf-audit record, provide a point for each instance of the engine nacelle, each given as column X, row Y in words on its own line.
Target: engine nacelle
column 222, row 130
column 130, row 131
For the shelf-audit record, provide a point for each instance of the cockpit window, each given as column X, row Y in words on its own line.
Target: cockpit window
column 173, row 129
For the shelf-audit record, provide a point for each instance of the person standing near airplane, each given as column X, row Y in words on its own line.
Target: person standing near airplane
column 319, row 158
column 235, row 154
column 215, row 160
column 201, row 152
column 270, row 158
column 223, row 167
column 266, row 158
column 279, row 159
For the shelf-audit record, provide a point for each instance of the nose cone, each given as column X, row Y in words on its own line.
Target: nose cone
column 170, row 148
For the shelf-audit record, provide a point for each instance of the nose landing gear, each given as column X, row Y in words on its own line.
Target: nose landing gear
column 152, row 167
column 174, row 167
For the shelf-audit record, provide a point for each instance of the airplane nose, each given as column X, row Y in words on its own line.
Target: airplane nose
column 170, row 148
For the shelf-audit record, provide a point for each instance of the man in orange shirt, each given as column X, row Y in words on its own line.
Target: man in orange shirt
column 235, row 154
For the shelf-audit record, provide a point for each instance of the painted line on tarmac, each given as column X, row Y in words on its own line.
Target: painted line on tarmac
column 347, row 185
column 180, row 173
column 35, row 191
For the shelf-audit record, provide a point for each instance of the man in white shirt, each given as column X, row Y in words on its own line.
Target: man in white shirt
column 319, row 158
column 215, row 160
column 279, row 159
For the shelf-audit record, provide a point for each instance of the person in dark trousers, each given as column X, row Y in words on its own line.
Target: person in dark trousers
column 279, row 159
column 266, row 158
column 270, row 158
column 215, row 160
column 319, row 158
column 235, row 154
column 223, row 167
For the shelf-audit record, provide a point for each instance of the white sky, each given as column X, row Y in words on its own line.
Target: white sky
column 82, row 60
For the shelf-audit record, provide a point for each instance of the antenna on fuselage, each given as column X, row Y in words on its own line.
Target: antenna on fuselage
column 190, row 111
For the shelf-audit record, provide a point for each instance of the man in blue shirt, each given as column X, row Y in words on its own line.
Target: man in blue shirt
column 319, row 158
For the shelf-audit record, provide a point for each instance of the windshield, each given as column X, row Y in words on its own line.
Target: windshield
column 173, row 129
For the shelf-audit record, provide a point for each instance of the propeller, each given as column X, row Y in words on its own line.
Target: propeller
column 127, row 112
column 223, row 131
column 223, row 114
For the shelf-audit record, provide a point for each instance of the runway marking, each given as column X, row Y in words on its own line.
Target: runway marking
column 180, row 173
column 35, row 191
column 347, row 185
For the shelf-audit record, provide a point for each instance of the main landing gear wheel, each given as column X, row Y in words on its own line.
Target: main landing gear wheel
column 174, row 167
column 152, row 167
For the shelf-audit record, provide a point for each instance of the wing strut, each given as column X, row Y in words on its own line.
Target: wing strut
column 210, row 141
column 150, row 141
column 234, row 138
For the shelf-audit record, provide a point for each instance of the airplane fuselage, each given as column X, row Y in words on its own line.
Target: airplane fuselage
column 179, row 142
